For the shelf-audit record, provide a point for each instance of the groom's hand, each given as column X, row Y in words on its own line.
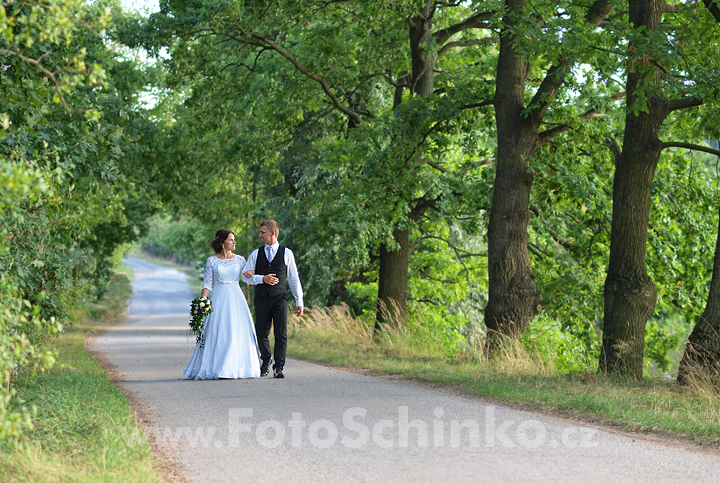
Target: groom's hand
column 298, row 311
column 270, row 279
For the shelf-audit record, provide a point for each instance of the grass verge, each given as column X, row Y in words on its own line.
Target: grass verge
column 690, row 414
column 83, row 421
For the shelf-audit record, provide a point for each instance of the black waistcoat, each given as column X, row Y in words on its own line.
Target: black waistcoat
column 278, row 267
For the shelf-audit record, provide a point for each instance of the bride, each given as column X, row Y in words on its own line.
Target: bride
column 231, row 350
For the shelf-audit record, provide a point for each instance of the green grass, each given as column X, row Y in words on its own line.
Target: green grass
column 127, row 270
column 691, row 414
column 82, row 419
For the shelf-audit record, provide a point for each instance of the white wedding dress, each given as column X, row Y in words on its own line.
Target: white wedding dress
column 231, row 349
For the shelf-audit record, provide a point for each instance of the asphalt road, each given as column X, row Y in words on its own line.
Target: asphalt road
column 322, row 424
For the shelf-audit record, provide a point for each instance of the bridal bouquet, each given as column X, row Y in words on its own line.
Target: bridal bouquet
column 199, row 309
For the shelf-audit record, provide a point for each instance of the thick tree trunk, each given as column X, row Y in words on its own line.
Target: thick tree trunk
column 423, row 63
column 630, row 295
column 702, row 354
column 513, row 298
column 392, row 282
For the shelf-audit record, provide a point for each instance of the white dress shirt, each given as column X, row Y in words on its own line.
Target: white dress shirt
column 293, row 279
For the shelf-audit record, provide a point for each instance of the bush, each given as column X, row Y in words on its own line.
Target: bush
column 23, row 340
column 186, row 240
column 565, row 351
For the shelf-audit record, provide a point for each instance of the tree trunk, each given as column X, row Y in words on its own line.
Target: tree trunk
column 702, row 354
column 392, row 282
column 394, row 265
column 423, row 64
column 630, row 295
column 513, row 298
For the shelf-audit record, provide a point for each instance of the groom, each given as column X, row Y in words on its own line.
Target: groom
column 273, row 264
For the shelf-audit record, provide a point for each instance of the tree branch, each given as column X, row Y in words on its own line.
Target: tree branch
column 556, row 74
column 422, row 141
column 422, row 204
column 321, row 114
column 694, row 147
column 532, row 248
column 445, row 3
column 598, row 12
column 442, row 35
column 438, row 167
column 397, row 99
column 477, row 164
column 665, row 8
column 684, row 103
column 47, row 73
column 412, row 88
column 464, row 171
column 547, row 135
column 455, row 249
column 429, row 11
column 488, row 102
column 366, row 78
column 429, row 301
column 336, row 102
column 590, row 113
column 558, row 239
column 451, row 45
column 613, row 145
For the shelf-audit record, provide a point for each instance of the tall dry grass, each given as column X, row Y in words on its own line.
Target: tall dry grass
column 335, row 322
column 704, row 387
column 337, row 326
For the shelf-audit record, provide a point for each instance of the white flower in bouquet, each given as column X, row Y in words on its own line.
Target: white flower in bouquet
column 199, row 309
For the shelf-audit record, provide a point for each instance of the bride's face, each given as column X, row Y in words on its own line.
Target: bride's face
column 229, row 243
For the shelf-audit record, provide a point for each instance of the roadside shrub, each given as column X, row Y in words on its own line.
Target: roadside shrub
column 566, row 351
column 24, row 335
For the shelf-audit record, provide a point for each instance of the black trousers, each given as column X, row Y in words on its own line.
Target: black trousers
column 271, row 311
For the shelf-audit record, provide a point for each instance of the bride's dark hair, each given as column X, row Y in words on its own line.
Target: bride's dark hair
column 220, row 238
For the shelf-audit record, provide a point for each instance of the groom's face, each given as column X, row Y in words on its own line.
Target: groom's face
column 266, row 236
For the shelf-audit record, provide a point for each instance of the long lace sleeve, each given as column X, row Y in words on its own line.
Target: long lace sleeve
column 241, row 261
column 208, row 280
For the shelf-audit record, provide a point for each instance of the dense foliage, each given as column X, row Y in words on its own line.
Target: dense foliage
column 74, row 174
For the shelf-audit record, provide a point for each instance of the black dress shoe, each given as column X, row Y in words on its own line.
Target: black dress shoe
column 264, row 369
column 277, row 373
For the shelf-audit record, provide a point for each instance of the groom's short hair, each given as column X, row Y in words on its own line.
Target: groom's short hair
column 272, row 226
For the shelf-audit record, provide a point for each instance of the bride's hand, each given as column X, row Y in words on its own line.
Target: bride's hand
column 249, row 273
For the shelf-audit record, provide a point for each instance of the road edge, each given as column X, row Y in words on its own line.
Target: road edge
column 172, row 470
